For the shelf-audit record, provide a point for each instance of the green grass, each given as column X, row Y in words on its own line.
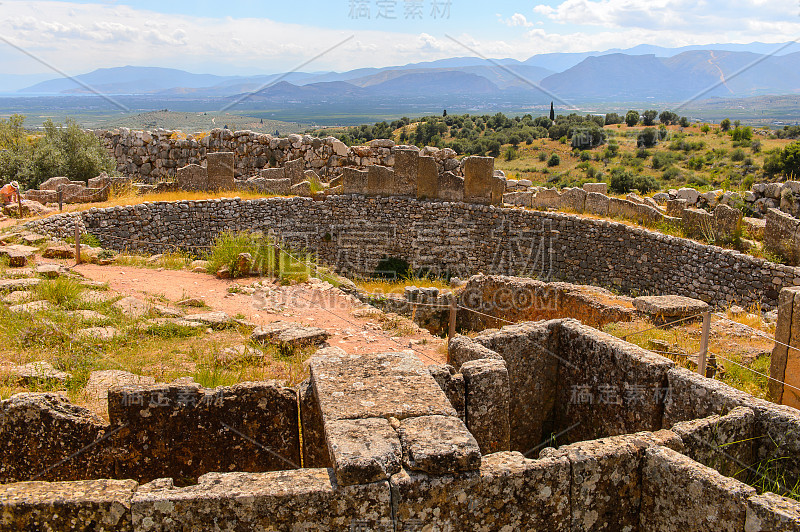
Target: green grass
column 63, row 291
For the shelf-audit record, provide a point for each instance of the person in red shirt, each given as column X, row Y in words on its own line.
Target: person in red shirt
column 10, row 193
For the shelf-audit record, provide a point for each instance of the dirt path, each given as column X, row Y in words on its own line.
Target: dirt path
column 315, row 303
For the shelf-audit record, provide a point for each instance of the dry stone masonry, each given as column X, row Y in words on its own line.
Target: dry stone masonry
column 655, row 454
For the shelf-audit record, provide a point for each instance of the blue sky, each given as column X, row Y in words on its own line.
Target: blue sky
column 249, row 37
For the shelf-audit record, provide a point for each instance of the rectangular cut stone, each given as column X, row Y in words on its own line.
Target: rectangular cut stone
column 573, row 199
column 547, row 198
column 533, row 375
column 354, row 181
column 509, row 492
column 622, row 208
column 451, row 187
column 193, row 177
column 488, row 397
column 781, row 235
column 669, row 308
column 380, row 180
column 783, row 335
column 724, row 443
column 692, row 396
column 772, row 512
column 100, row 505
column 678, row 494
column 598, row 188
column 606, row 484
column 315, row 449
column 305, row 499
column 438, row 445
column 675, row 207
column 607, row 386
column 295, row 170
column 478, row 179
column 427, row 178
column 281, row 187
column 363, row 450
column 273, row 173
column 451, row 383
column 186, row 431
column 498, row 189
column 220, row 170
column 597, row 204
column 406, row 168
column 377, row 385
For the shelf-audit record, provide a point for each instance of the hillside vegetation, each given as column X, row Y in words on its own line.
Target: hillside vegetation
column 646, row 150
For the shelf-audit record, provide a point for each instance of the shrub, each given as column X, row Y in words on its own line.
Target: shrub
column 542, row 156
column 510, row 153
column 63, row 150
column 737, row 155
column 554, row 160
column 672, row 173
column 621, row 180
column 647, row 138
column 229, row 245
column 393, row 268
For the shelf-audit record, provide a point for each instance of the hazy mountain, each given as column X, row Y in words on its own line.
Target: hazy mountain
column 126, row 80
column 710, row 72
column 644, row 71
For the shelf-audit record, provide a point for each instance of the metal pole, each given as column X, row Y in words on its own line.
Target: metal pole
column 77, row 243
column 701, row 363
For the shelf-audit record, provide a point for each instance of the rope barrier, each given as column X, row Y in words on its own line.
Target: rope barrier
column 625, row 337
column 756, row 372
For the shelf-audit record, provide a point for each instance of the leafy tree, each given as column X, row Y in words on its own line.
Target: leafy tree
column 705, row 129
column 632, row 118
column 554, row 160
column 613, row 118
column 668, row 118
column 649, row 117
column 621, row 180
column 444, row 113
column 647, row 138
column 725, row 125
column 742, row 133
column 683, row 121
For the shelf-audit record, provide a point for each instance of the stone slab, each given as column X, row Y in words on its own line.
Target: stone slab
column 376, row 385
column 295, row 170
column 488, row 397
column 451, row 383
column 427, row 178
column 406, row 168
column 478, row 179
column 315, row 449
column 98, row 505
column 509, row 492
column 307, row 499
column 768, row 512
column 192, row 177
column 679, row 494
column 451, row 187
column 670, row 307
column 380, row 181
column 438, row 445
column 363, row 450
column 354, row 181
column 221, row 170
column 284, row 333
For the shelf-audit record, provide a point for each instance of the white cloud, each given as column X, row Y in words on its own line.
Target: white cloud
column 78, row 37
column 517, row 19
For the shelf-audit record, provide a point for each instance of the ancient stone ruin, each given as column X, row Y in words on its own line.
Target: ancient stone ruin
column 538, row 426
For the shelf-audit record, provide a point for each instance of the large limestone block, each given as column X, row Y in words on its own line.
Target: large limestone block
column 363, row 450
column 427, row 178
column 193, row 177
column 670, row 308
column 573, row 199
column 377, row 385
column 451, row 383
column 597, row 204
column 679, row 494
column 100, row 505
column 781, row 235
column 221, row 171
column 509, row 492
column 727, row 220
column 306, row 499
column 354, row 181
column 295, row 170
column 380, row 180
column 488, row 397
column 772, row 512
column 438, row 445
column 600, row 188
column 315, row 449
column 406, row 168
column 184, row 431
column 451, row 187
column 478, row 179
column 273, row 173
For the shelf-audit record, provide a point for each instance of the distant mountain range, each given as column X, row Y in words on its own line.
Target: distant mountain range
column 639, row 73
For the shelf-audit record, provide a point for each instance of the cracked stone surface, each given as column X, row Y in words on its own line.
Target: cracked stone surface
column 363, row 450
column 772, row 512
column 669, row 307
column 438, row 445
column 100, row 505
column 289, row 333
column 377, row 385
column 215, row 320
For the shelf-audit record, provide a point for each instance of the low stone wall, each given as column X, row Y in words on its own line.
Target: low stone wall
column 157, row 155
column 154, row 432
column 355, row 233
column 420, row 470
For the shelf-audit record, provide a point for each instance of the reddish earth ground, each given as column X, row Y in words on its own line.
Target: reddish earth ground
column 313, row 304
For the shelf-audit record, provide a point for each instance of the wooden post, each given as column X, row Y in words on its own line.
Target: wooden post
column 60, row 200
column 19, row 202
column 453, row 312
column 77, row 243
column 702, row 363
column 277, row 266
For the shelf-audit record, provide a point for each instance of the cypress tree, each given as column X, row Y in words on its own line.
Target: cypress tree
column 552, row 112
